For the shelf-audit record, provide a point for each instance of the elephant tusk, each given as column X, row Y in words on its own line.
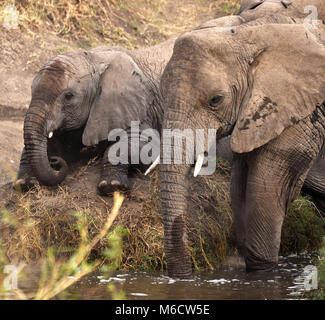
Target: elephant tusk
column 50, row 134
column 199, row 163
column 153, row 166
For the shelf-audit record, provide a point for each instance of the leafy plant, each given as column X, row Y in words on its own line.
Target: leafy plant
column 58, row 274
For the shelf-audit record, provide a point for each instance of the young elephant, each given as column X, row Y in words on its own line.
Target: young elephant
column 78, row 98
column 89, row 93
column 265, row 86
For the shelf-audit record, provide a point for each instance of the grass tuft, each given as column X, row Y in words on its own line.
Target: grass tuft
column 303, row 228
column 59, row 274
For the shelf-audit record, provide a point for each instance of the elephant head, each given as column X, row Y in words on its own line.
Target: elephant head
column 253, row 9
column 248, row 82
column 92, row 91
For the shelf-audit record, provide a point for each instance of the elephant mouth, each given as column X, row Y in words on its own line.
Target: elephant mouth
column 200, row 159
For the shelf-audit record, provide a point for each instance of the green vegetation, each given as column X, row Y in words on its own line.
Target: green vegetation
column 303, row 228
column 58, row 274
column 62, row 228
column 320, row 263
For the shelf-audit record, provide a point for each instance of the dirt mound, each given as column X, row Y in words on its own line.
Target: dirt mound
column 44, row 217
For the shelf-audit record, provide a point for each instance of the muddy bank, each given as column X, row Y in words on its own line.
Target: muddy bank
column 11, row 137
column 33, row 222
column 44, row 217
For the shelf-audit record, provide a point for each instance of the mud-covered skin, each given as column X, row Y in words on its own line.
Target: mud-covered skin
column 224, row 79
column 54, row 109
column 100, row 90
column 314, row 184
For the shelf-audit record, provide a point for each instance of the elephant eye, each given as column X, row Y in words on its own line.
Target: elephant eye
column 215, row 101
column 68, row 96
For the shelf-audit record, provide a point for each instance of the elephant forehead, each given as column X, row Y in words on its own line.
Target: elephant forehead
column 52, row 77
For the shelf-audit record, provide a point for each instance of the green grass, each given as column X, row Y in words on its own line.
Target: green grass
column 303, row 227
column 320, row 263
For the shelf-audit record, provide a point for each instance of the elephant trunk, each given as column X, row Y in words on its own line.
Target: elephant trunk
column 174, row 194
column 35, row 139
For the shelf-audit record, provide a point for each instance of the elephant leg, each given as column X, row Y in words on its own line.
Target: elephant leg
column 314, row 184
column 275, row 175
column 25, row 178
column 113, row 177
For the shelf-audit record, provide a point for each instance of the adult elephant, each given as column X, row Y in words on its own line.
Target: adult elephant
column 79, row 98
column 253, row 9
column 314, row 184
column 265, row 86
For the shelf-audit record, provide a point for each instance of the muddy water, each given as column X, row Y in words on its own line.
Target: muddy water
column 226, row 283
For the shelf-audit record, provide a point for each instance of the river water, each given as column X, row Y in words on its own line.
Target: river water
column 227, row 283
column 295, row 276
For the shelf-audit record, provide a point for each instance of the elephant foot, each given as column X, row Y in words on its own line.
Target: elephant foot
column 259, row 266
column 107, row 186
column 24, row 184
column 267, row 269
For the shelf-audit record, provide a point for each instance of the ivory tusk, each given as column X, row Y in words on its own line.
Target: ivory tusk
column 198, row 164
column 153, row 166
column 50, row 134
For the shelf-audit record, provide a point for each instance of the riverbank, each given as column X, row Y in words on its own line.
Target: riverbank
column 47, row 220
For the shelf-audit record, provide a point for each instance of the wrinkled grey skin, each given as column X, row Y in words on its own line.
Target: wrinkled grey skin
column 81, row 97
column 314, row 185
column 217, row 78
column 75, row 90
column 253, row 9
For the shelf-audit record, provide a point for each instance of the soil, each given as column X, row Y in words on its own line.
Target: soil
column 22, row 54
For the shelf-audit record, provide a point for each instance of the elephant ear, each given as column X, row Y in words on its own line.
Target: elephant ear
column 123, row 96
column 287, row 83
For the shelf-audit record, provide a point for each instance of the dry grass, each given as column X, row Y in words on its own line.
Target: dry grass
column 44, row 218
column 228, row 7
column 131, row 24
column 59, row 274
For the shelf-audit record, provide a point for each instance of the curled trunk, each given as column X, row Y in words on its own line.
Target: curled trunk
column 35, row 139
